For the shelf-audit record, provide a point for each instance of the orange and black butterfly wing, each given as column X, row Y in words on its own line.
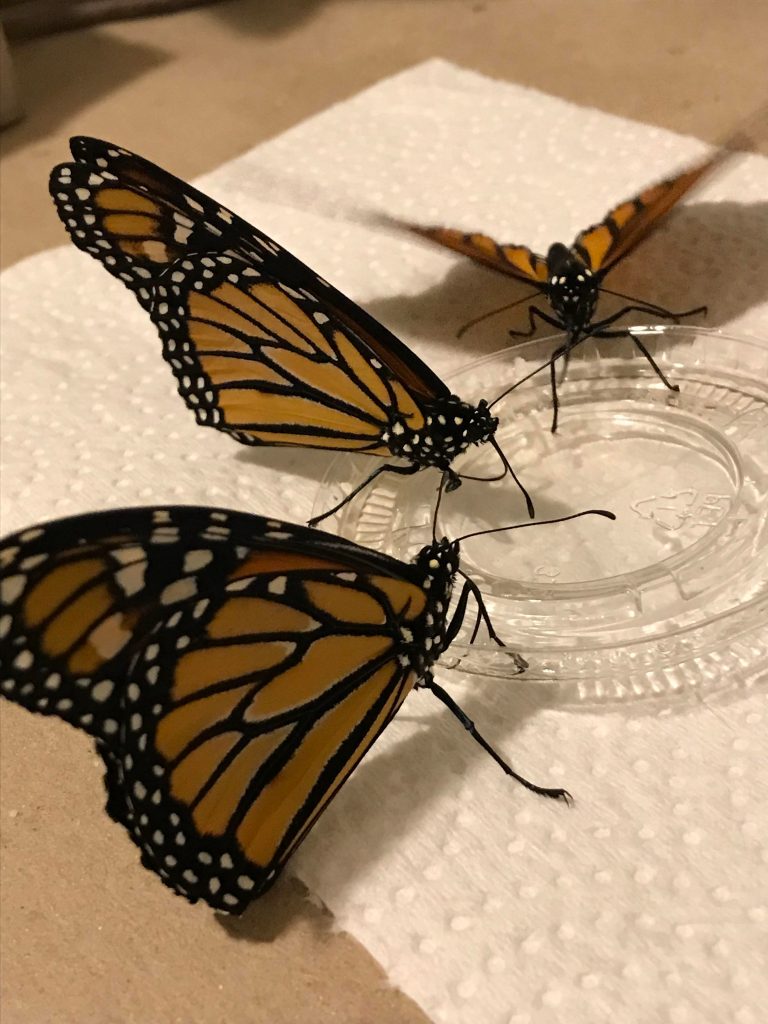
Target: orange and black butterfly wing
column 114, row 210
column 603, row 245
column 233, row 669
column 516, row 260
column 269, row 364
column 77, row 595
column 67, row 615
column 137, row 219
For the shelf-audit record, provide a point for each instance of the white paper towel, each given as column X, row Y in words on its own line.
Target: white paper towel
column 647, row 901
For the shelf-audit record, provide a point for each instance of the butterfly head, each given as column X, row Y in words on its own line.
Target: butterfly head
column 439, row 561
column 572, row 287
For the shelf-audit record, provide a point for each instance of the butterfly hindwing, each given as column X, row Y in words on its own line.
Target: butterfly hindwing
column 516, row 260
column 626, row 225
column 270, row 364
column 252, row 664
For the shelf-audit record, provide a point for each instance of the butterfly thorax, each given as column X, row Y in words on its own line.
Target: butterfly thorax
column 450, row 427
column 438, row 564
column 572, row 288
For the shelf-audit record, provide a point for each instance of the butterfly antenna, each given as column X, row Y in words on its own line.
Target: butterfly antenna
column 541, row 522
column 500, row 476
column 486, row 316
column 522, row 380
column 508, row 469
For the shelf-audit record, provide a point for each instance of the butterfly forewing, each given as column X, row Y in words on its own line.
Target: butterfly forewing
column 250, row 665
column 137, row 219
column 517, row 260
column 603, row 245
column 74, row 607
column 270, row 364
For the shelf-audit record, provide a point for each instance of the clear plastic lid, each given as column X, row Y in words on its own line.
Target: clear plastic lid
column 671, row 596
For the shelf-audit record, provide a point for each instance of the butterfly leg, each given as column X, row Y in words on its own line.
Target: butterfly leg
column 552, row 364
column 565, row 350
column 562, row 350
column 655, row 366
column 553, row 388
column 471, row 588
column 668, row 314
column 554, row 794
column 652, row 310
column 661, row 311
column 533, row 313
column 452, row 480
column 657, row 369
column 402, row 470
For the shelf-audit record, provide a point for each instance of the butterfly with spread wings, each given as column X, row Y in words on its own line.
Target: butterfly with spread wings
column 261, row 347
column 233, row 671
column 571, row 277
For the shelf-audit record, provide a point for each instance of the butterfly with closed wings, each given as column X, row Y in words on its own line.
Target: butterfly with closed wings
column 261, row 347
column 233, row 670
column 571, row 277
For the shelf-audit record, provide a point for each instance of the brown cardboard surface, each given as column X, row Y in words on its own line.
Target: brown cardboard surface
column 86, row 934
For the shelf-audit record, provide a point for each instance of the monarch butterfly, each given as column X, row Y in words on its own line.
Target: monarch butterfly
column 260, row 346
column 232, row 670
column 571, row 277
